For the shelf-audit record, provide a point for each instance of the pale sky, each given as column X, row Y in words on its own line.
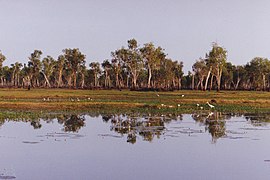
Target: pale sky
column 184, row 28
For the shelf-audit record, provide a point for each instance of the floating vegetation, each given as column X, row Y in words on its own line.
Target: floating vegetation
column 30, row 142
column 234, row 137
column 7, row 177
column 62, row 135
column 7, row 174
column 109, row 135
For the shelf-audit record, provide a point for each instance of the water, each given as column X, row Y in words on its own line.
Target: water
column 198, row 146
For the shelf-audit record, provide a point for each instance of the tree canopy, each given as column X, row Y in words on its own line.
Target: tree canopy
column 138, row 68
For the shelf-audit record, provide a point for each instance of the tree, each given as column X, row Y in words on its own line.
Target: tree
column 200, row 69
column 95, row 67
column 178, row 72
column 2, row 59
column 82, row 71
column 34, row 64
column 60, row 63
column 74, row 59
column 132, row 59
column 239, row 74
column 152, row 57
column 107, row 66
column 258, row 69
column 48, row 64
column 228, row 75
column 16, row 68
column 217, row 59
column 116, row 65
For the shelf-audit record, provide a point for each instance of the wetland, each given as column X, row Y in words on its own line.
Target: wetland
column 109, row 134
column 204, row 145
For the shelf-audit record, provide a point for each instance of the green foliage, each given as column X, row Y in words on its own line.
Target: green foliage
column 135, row 67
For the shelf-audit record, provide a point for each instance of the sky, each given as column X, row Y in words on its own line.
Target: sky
column 184, row 28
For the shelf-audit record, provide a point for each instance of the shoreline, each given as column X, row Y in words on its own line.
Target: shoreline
column 183, row 101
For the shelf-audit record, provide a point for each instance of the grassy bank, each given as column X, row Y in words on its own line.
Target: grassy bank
column 114, row 100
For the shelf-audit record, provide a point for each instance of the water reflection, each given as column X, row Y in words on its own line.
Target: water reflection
column 71, row 123
column 258, row 119
column 150, row 126
column 214, row 123
column 147, row 127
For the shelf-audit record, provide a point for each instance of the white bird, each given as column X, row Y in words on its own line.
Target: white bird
column 198, row 105
column 210, row 105
column 162, row 105
column 209, row 115
column 157, row 95
column 178, row 105
column 78, row 99
column 201, row 108
column 44, row 99
column 183, row 95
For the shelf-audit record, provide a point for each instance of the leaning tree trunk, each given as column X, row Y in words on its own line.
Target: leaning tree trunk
column 46, row 79
column 264, row 83
column 193, row 82
column 106, row 79
column 211, row 82
column 69, row 81
column 207, row 78
column 219, row 79
column 74, row 80
column 13, row 79
column 82, row 81
column 60, row 82
column 116, row 80
column 179, row 83
column 149, row 77
column 127, row 81
column 197, row 86
column 237, row 83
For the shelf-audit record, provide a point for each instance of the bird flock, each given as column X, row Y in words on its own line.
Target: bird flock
column 77, row 99
column 201, row 107
column 47, row 99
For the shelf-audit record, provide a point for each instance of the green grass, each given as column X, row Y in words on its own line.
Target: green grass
column 132, row 101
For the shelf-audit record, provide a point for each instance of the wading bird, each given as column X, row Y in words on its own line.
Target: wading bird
column 210, row 105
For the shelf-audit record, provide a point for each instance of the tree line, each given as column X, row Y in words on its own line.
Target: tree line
column 137, row 68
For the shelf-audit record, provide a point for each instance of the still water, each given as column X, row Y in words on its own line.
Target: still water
column 198, row 146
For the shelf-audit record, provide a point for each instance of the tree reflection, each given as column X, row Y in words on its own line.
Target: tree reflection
column 74, row 123
column 71, row 123
column 214, row 123
column 146, row 127
column 36, row 124
column 258, row 119
column 150, row 126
